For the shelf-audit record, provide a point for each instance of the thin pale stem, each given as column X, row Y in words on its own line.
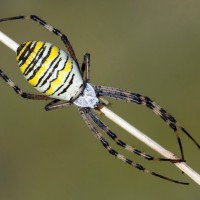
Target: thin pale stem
column 126, row 126
column 8, row 42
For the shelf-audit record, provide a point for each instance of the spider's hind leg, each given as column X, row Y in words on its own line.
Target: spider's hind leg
column 20, row 92
column 121, row 143
column 55, row 105
column 97, row 134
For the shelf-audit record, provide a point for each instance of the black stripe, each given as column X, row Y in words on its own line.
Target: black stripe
column 113, row 152
column 41, row 64
column 104, row 142
column 43, row 81
column 12, row 18
column 121, row 143
column 140, row 167
column 70, row 83
column 36, row 58
column 19, row 49
column 28, row 49
column 56, row 78
column 52, row 73
column 40, row 21
column 128, row 161
column 106, row 145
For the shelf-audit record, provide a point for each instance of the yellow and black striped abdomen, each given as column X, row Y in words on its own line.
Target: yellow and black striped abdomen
column 50, row 70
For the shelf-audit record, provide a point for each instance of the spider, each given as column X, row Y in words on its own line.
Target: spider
column 58, row 76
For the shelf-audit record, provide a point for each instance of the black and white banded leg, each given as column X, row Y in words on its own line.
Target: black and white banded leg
column 119, row 142
column 146, row 101
column 86, row 67
column 55, row 104
column 20, row 92
column 98, row 136
column 48, row 27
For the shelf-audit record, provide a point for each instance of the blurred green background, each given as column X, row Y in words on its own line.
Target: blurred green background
column 150, row 47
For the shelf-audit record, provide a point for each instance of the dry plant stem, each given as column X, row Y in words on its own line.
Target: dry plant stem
column 126, row 126
column 8, row 41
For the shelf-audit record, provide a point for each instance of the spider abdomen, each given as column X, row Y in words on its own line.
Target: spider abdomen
column 50, row 70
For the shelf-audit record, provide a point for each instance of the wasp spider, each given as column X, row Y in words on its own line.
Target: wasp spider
column 58, row 76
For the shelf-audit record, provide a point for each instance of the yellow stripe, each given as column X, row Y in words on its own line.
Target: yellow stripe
column 31, row 56
column 59, row 80
column 53, row 54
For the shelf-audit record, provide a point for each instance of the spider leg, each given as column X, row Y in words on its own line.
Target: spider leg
column 86, row 66
column 119, row 142
column 55, row 105
column 20, row 92
column 48, row 27
column 97, row 134
column 146, row 101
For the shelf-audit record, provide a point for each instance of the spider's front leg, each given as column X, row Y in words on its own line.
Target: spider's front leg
column 146, row 101
column 47, row 26
column 86, row 67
